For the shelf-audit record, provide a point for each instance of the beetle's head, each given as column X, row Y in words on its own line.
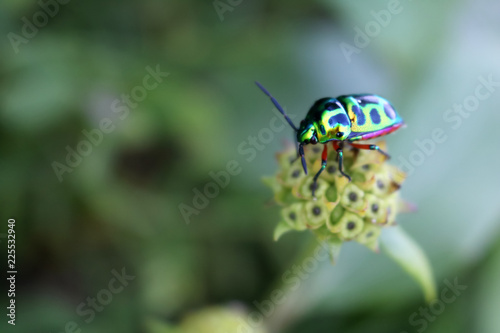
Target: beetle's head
column 307, row 133
column 333, row 122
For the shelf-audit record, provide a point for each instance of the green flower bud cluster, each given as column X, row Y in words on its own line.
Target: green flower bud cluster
column 342, row 210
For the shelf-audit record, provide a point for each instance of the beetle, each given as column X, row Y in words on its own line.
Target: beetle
column 347, row 118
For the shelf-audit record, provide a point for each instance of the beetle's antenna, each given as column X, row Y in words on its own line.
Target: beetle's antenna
column 277, row 105
column 301, row 153
column 280, row 109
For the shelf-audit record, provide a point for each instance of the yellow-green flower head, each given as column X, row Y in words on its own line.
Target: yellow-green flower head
column 343, row 210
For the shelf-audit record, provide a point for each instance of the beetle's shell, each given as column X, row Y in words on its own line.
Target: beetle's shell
column 371, row 116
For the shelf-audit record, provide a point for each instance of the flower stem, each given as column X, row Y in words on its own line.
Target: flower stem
column 289, row 297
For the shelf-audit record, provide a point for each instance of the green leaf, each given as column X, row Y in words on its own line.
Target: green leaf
column 408, row 254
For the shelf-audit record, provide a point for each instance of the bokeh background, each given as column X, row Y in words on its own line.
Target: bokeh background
column 119, row 207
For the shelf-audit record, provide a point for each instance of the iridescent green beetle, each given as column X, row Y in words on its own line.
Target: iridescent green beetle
column 346, row 118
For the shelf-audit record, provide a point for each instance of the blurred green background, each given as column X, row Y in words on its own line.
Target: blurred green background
column 119, row 206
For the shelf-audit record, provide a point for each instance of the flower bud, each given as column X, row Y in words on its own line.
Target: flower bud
column 340, row 210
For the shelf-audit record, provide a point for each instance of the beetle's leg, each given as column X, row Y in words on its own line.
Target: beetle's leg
column 340, row 155
column 301, row 153
column 324, row 155
column 371, row 147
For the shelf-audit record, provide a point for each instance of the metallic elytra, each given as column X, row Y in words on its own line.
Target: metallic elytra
column 347, row 118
